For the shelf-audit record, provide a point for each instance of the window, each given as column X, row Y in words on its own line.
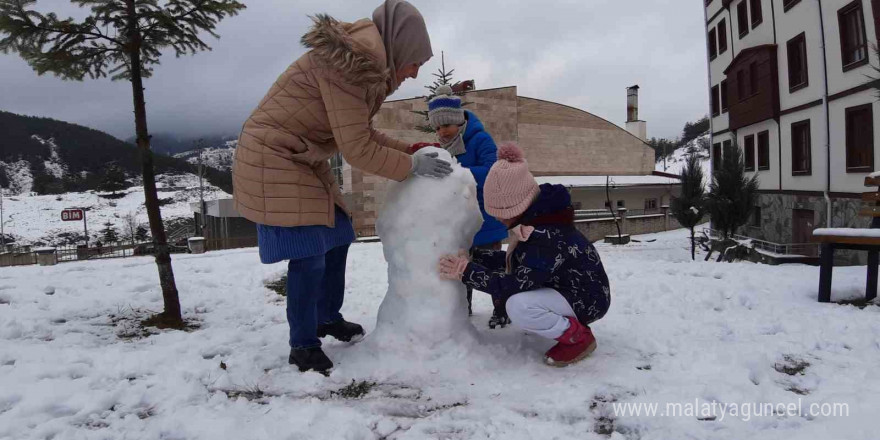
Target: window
column 749, row 152
column 650, row 204
column 797, row 63
column 708, row 2
column 764, row 150
column 757, row 17
column 788, row 4
column 722, row 36
column 753, row 79
column 741, row 89
column 860, row 139
column 716, row 156
column 800, row 148
column 853, row 43
column 742, row 19
column 713, row 49
column 621, row 204
column 723, row 87
column 716, row 106
column 756, row 217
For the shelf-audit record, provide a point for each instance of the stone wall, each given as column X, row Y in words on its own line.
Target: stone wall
column 776, row 219
column 565, row 141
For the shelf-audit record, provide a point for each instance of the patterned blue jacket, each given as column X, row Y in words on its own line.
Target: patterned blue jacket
column 556, row 255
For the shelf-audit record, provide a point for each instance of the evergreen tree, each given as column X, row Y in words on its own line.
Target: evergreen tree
column 123, row 38
column 141, row 234
column 732, row 196
column 114, row 179
column 109, row 234
column 443, row 78
column 689, row 208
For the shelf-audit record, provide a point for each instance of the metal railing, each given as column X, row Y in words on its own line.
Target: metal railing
column 793, row 249
column 590, row 214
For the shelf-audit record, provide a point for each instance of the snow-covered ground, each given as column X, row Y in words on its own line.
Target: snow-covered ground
column 675, row 162
column 32, row 218
column 677, row 331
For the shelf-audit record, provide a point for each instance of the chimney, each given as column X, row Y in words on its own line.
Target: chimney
column 636, row 127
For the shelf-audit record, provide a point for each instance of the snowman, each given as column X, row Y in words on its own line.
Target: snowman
column 422, row 219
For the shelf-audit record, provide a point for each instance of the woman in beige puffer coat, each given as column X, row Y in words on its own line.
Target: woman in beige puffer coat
column 323, row 104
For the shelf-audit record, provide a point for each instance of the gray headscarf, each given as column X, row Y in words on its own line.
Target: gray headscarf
column 405, row 36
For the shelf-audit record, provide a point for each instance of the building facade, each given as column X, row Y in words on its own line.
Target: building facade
column 791, row 85
column 558, row 140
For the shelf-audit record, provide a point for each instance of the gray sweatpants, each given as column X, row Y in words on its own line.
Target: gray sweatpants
column 542, row 312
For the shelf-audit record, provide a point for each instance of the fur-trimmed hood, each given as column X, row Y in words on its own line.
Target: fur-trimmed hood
column 354, row 50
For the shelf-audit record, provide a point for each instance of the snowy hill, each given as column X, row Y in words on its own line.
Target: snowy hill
column 675, row 162
column 74, row 364
column 219, row 157
column 46, row 156
column 36, row 219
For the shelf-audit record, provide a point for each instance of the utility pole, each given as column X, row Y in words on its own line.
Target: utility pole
column 201, row 225
column 2, row 231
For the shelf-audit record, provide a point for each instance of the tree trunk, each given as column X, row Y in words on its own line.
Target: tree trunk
column 693, row 246
column 171, row 317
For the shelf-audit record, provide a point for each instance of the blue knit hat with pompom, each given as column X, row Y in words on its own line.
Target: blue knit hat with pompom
column 445, row 108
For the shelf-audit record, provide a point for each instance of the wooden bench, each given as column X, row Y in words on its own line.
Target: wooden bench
column 861, row 239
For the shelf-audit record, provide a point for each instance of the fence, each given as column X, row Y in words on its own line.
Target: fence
column 18, row 257
column 217, row 244
column 794, row 249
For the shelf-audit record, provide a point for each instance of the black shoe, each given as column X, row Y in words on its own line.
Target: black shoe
column 342, row 330
column 310, row 359
column 498, row 320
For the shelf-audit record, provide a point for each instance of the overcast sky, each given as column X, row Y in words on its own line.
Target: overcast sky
column 582, row 53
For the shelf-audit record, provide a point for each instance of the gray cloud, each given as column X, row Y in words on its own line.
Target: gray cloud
column 579, row 53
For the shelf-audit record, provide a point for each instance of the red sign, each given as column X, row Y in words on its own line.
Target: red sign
column 72, row 215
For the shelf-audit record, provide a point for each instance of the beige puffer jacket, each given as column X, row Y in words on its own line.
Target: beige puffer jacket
column 322, row 103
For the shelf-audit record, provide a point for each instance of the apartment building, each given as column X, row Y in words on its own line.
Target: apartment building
column 792, row 84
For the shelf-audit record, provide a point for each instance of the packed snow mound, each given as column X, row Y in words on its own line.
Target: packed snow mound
column 423, row 219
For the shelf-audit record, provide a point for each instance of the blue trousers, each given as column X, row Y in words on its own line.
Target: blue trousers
column 315, row 291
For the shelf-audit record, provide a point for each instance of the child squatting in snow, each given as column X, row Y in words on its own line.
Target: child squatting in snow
column 551, row 276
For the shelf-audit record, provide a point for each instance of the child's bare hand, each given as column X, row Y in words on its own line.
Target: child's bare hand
column 451, row 267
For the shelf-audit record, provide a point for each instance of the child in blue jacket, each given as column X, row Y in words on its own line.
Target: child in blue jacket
column 462, row 134
column 551, row 276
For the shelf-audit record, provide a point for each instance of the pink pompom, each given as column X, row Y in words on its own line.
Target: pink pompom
column 510, row 152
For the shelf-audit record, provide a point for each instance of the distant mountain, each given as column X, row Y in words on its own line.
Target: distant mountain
column 169, row 144
column 47, row 156
column 219, row 157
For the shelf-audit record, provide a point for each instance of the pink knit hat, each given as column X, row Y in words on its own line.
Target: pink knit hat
column 510, row 188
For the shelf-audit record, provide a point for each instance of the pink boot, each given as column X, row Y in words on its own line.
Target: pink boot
column 575, row 344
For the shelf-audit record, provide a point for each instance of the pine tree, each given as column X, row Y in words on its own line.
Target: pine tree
column 689, row 208
column 109, row 234
column 732, row 196
column 443, row 78
column 141, row 234
column 114, row 179
column 125, row 39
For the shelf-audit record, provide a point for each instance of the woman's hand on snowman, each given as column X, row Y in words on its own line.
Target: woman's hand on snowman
column 451, row 267
column 428, row 165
